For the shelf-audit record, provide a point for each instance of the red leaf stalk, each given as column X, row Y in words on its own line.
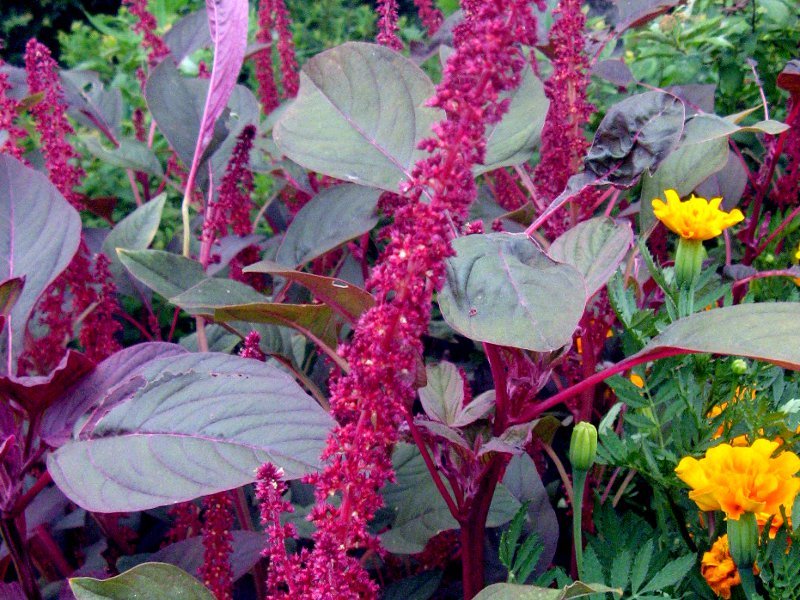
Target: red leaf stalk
column 216, row 572
column 387, row 25
column 430, row 15
column 369, row 402
column 146, row 25
column 51, row 122
column 563, row 142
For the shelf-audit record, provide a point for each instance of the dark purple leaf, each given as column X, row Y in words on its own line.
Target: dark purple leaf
column 228, row 247
column 46, row 507
column 36, row 393
column 632, row 13
column 201, row 424
column 729, row 183
column 39, row 235
column 11, row 591
column 188, row 554
column 227, row 22
column 697, row 97
column 635, row 136
column 789, row 78
column 111, row 382
column 613, row 70
column 89, row 103
column 189, row 34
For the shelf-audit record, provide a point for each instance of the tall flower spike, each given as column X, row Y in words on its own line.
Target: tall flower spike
column 8, row 114
column 265, row 73
column 387, row 25
column 146, row 26
column 216, row 571
column 283, row 26
column 369, row 402
column 430, row 15
column 51, row 122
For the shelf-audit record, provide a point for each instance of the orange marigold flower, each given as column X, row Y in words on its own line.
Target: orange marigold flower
column 695, row 219
column 742, row 479
column 718, row 568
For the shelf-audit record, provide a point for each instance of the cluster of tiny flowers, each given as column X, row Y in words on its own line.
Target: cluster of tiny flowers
column 8, row 113
column 430, row 15
column 563, row 142
column 273, row 15
column 507, row 192
column 51, row 122
column 99, row 328
column 216, row 571
column 369, row 402
column 185, row 524
column 787, row 187
column 146, row 26
column 252, row 347
column 387, row 25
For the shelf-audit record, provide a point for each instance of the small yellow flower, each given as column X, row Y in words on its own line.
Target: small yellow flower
column 718, row 568
column 742, row 479
column 637, row 380
column 697, row 218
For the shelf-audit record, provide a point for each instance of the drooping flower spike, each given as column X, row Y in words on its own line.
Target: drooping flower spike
column 696, row 218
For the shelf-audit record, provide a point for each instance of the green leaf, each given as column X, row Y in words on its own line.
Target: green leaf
column 594, row 247
column 768, row 331
column 510, row 591
column 510, row 537
column 620, row 569
column 130, row 154
column 442, row 396
column 420, row 512
column 641, row 565
column 135, row 232
column 10, row 291
column 359, row 116
column 513, row 139
column 197, row 424
column 212, row 293
column 671, row 574
column 349, row 300
column 39, row 235
column 165, row 273
column 796, row 511
column 146, row 581
column 331, row 218
column 500, row 288
column 701, row 154
column 416, row 587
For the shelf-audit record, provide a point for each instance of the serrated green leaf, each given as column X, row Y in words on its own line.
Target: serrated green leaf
column 641, row 565
column 672, row 573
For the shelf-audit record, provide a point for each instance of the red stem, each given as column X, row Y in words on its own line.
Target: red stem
column 778, row 230
column 502, row 405
column 22, row 503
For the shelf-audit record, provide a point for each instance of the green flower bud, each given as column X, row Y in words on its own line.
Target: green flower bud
column 688, row 261
column 743, row 540
column 739, row 366
column 583, row 446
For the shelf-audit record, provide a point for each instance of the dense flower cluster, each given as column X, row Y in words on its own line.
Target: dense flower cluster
column 51, row 122
column 740, row 479
column 273, row 16
column 697, row 218
column 786, row 191
column 252, row 347
column 719, row 570
column 370, row 401
column 216, row 571
column 269, row 491
column 146, row 26
column 563, row 141
column 430, row 15
column 8, row 115
column 387, row 25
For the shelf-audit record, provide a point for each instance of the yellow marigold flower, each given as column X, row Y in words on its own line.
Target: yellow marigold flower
column 718, row 568
column 637, row 380
column 742, row 479
column 697, row 218
column 797, row 254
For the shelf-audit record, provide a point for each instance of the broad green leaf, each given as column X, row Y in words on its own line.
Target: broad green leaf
column 510, row 591
column 212, row 293
column 443, row 395
column 513, row 139
column 317, row 321
column 502, row 289
column 165, row 273
column 684, row 169
column 420, row 512
column 334, row 216
column 201, row 423
column 135, row 232
column 348, row 300
column 144, row 582
column 671, row 574
column 359, row 116
column 130, row 154
column 416, row 587
column 768, row 331
column 39, row 235
column 594, row 247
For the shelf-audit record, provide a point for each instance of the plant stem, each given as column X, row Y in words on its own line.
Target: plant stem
column 749, row 584
column 20, row 557
column 578, row 485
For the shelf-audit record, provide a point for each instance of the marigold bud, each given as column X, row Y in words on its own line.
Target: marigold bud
column 688, row 261
column 743, row 540
column 739, row 366
column 583, row 446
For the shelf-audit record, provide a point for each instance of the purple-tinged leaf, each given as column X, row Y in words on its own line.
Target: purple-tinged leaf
column 36, row 393
column 615, row 71
column 228, row 247
column 39, row 235
column 202, row 423
column 148, row 580
column 190, row 33
column 107, row 385
column 728, row 183
column 594, row 247
column 188, row 554
column 697, row 97
column 11, row 591
column 90, row 104
column 10, row 291
column 634, row 136
column 227, row 22
column 632, row 13
column 443, row 394
column 348, row 300
column 46, row 507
